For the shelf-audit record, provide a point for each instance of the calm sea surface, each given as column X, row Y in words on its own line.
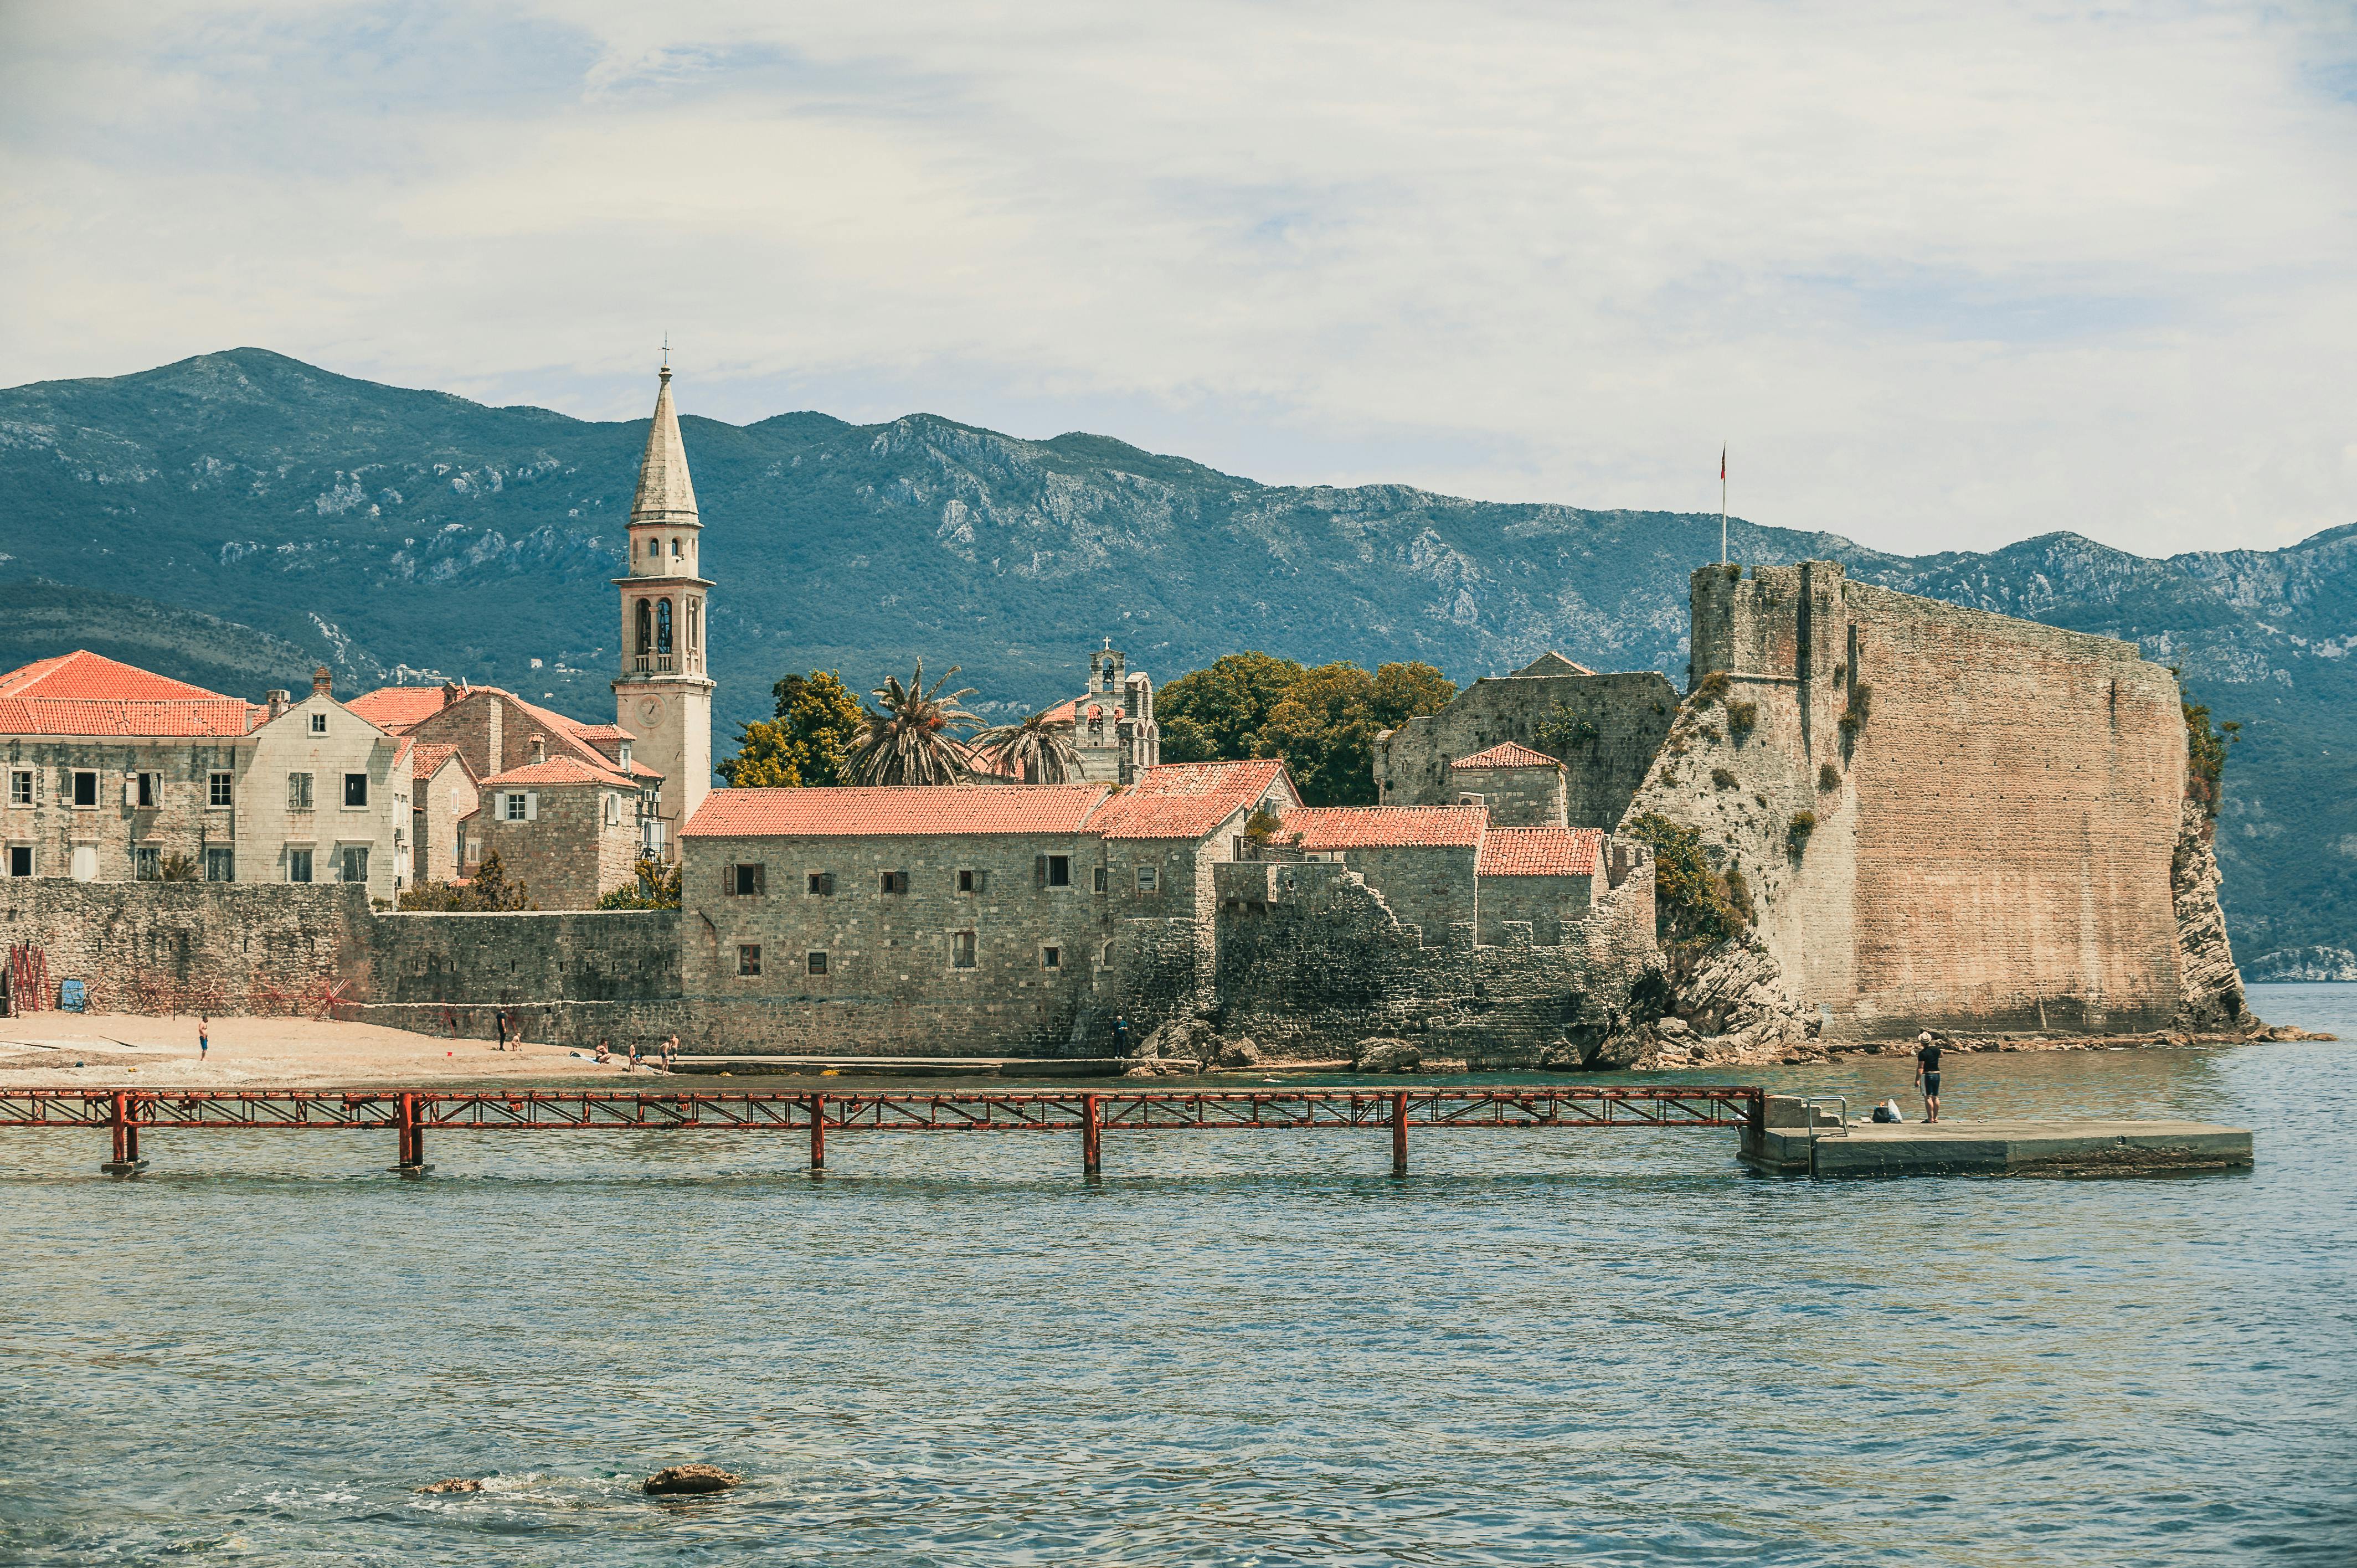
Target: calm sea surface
column 1548, row 1347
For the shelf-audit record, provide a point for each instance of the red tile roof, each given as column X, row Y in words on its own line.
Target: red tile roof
column 188, row 717
column 397, row 708
column 1189, row 800
column 1540, row 852
column 1509, row 755
column 85, row 675
column 862, row 810
column 559, row 770
column 427, row 759
column 1384, row 827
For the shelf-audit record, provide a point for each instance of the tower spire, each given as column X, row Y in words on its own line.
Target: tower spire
column 665, row 493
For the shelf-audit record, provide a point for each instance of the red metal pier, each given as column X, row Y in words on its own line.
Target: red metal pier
column 409, row 1113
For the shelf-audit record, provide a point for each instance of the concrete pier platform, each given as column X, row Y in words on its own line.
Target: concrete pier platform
column 907, row 1067
column 1997, row 1148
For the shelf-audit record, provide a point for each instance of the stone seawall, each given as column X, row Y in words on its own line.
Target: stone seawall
column 164, row 948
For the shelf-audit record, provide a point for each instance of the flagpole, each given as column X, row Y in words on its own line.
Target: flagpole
column 1722, row 506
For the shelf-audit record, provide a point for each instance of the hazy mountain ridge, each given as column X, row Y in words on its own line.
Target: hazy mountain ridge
column 395, row 533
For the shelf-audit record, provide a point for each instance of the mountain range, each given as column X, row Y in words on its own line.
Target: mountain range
column 236, row 517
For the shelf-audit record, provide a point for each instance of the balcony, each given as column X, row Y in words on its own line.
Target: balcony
column 655, row 664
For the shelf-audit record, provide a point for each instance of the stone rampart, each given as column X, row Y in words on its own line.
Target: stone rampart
column 192, row 946
column 1991, row 806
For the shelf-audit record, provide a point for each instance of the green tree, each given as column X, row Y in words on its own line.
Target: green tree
column 912, row 740
column 2205, row 757
column 655, row 886
column 1034, row 751
column 1217, row 714
column 1404, row 692
column 489, row 890
column 1692, row 903
column 1324, row 727
column 810, row 741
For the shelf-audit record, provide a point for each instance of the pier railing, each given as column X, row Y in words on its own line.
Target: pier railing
column 409, row 1113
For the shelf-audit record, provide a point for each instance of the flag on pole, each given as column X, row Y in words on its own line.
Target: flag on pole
column 1722, row 464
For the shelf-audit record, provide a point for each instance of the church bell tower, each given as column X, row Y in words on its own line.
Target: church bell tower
column 663, row 696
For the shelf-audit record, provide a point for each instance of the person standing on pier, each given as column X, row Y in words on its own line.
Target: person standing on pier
column 1120, row 1035
column 1927, row 1074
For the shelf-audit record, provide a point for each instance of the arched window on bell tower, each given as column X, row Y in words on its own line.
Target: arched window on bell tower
column 646, row 628
column 662, row 625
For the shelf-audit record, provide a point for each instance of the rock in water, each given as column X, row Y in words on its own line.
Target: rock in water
column 691, row 1478
column 1380, row 1054
column 455, row 1484
column 1240, row 1052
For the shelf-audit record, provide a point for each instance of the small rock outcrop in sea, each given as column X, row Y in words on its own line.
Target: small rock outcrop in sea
column 455, row 1484
column 680, row 1478
column 1383, row 1054
column 1185, row 1047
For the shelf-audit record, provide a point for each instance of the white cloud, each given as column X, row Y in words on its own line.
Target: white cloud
column 1945, row 277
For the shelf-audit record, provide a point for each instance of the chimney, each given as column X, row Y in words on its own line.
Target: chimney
column 449, row 694
column 540, row 748
column 277, row 700
column 323, row 681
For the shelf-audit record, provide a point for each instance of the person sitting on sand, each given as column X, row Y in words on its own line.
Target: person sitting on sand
column 603, row 1051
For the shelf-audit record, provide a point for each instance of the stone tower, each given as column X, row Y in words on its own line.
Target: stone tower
column 1113, row 724
column 663, row 696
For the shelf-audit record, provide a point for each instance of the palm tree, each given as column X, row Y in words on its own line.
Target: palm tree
column 1035, row 751
column 910, row 741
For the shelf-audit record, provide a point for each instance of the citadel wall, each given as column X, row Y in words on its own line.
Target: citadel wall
column 1629, row 713
column 1996, row 804
column 192, row 946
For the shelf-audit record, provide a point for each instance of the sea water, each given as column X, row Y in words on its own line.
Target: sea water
column 1540, row 1348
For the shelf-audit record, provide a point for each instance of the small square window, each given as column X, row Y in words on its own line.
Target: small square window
column 745, row 880
column 748, row 960
column 85, row 786
column 1055, row 870
column 1051, row 958
column 816, row 962
column 221, row 865
column 318, row 723
column 515, row 807
column 967, row 882
column 1104, row 879
column 218, row 791
column 960, row 950
column 299, row 865
column 20, row 860
column 894, row 882
column 1146, row 878
column 20, row 787
column 355, row 788
column 147, row 863
column 822, row 883
column 355, row 862
column 298, row 791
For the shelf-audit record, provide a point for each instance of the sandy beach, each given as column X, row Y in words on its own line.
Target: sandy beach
column 77, row 1050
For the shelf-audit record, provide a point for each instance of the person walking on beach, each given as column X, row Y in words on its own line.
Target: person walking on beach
column 634, row 1055
column 502, row 1021
column 671, row 1053
column 204, row 1037
column 1927, row 1074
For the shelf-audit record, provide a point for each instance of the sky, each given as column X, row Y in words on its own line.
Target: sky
column 1939, row 277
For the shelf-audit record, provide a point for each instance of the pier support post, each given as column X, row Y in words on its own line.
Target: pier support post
column 126, row 1161
column 818, row 1131
column 1399, row 1133
column 413, row 1164
column 1090, row 1125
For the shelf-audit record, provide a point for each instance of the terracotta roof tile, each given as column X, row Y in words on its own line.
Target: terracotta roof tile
column 1384, row 827
column 1189, row 800
column 864, row 811
column 1509, row 755
column 397, row 708
column 1540, row 852
column 82, row 675
column 1553, row 663
column 559, row 770
column 187, row 717
column 426, row 759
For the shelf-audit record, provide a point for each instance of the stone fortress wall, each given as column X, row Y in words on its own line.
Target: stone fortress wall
column 1996, row 805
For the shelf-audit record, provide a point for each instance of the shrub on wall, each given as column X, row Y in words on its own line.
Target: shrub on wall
column 1722, row 779
column 1741, row 717
column 489, row 890
column 655, row 886
column 1798, row 829
column 1564, row 729
column 1861, row 705
column 2206, row 755
column 1739, row 894
column 1690, row 903
column 1828, row 776
column 1712, row 687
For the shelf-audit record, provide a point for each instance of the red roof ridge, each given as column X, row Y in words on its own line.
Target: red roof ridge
column 1540, row 852
column 83, row 676
column 558, row 770
column 1507, row 754
column 1384, row 827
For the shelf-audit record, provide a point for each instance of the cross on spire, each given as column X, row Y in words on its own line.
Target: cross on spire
column 666, row 351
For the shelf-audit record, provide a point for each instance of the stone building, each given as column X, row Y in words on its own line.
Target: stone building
column 569, row 831
column 1605, row 729
column 663, row 698
column 116, row 774
column 444, row 791
column 1421, row 858
column 1520, row 787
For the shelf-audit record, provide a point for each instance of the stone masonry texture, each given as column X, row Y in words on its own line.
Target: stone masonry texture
column 1629, row 715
